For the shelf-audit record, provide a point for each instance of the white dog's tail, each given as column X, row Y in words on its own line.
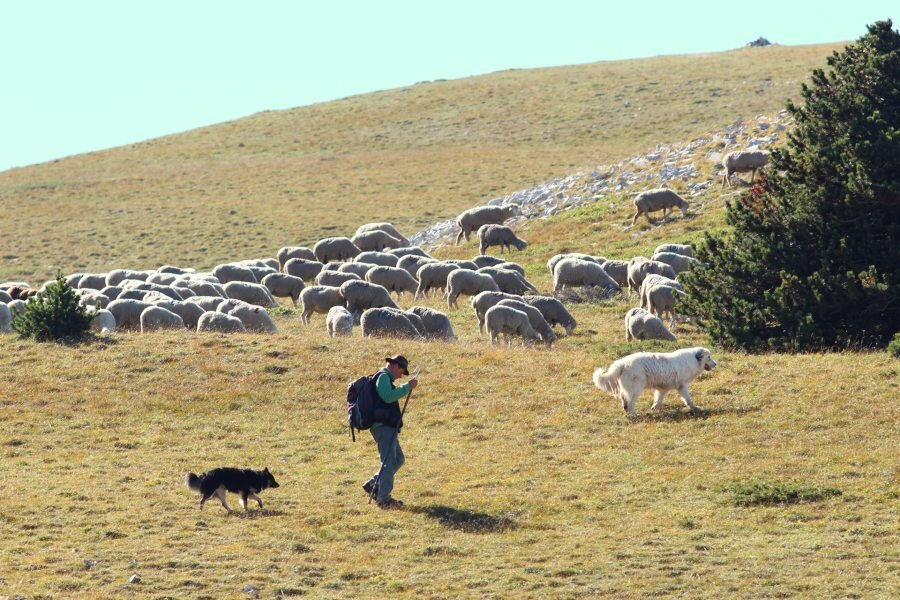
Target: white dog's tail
column 609, row 382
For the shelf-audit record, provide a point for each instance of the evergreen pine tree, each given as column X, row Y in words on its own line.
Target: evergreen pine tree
column 54, row 314
column 812, row 259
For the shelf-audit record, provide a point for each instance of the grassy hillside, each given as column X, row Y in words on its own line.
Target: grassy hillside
column 413, row 155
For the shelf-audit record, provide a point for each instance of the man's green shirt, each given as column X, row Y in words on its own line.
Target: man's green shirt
column 386, row 392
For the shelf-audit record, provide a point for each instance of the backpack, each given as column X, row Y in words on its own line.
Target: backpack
column 365, row 407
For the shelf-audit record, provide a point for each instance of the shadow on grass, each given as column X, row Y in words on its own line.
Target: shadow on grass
column 677, row 415
column 260, row 513
column 466, row 520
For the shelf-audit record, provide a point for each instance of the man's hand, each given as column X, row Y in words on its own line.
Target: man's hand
column 413, row 383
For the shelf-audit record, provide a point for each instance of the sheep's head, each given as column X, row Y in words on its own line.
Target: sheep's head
column 510, row 211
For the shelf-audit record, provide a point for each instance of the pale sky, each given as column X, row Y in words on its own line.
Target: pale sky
column 87, row 75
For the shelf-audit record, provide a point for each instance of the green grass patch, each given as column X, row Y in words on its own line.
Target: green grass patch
column 760, row 493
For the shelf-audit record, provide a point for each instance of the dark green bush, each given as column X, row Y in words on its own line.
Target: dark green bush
column 765, row 494
column 54, row 314
column 812, row 258
column 894, row 347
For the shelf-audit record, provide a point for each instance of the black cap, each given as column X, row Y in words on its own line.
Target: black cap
column 401, row 362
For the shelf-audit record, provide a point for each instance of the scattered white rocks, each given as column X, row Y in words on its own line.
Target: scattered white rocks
column 251, row 591
column 134, row 579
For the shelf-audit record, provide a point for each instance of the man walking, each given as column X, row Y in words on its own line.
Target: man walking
column 386, row 427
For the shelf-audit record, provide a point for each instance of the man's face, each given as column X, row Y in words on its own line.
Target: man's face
column 395, row 369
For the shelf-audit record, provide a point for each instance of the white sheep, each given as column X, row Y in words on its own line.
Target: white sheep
column 335, row 278
column 383, row 322
column 678, row 262
column 89, row 297
column 486, row 260
column 617, row 270
column 682, row 249
column 200, row 288
column 157, row 318
column 435, row 323
column 127, row 312
column 219, row 323
column 190, row 312
column 462, row 281
column 288, row 252
column 357, row 268
column 639, row 267
column 392, row 279
column 94, row 281
column 742, row 161
column 578, row 272
column 226, row 273
column 471, row 220
column 510, row 282
column 360, row 295
column 102, row 321
column 376, row 240
column 553, row 311
column 252, row 293
column 282, row 285
column 319, row 299
column 411, row 263
column 335, row 248
column 175, row 270
column 5, row 318
column 662, row 300
column 553, row 260
column 207, row 303
column 384, row 259
column 537, row 320
column 485, row 300
column 408, row 250
column 462, row 264
column 339, row 321
column 254, row 318
column 386, row 227
column 509, row 266
column 302, row 268
column 641, row 325
column 157, row 278
column 117, row 275
column 5, row 297
column 510, row 322
column 499, row 235
column 433, row 276
column 659, row 199
column 653, row 280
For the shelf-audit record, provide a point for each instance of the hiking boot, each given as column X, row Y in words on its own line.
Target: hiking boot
column 371, row 489
column 390, row 503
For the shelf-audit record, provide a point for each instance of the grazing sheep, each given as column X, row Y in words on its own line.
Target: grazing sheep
column 71, row 281
column 159, row 278
column 5, row 297
column 164, row 290
column 471, row 283
column 94, row 281
column 485, row 260
column 357, row 268
column 302, row 268
column 385, row 227
column 411, row 263
column 554, row 312
column 578, row 272
column 5, row 319
column 288, row 252
column 112, row 291
column 641, row 325
column 742, row 161
column 433, row 276
column 551, row 263
column 226, row 273
column 485, row 300
column 116, row 276
column 509, row 266
column 659, row 199
column 682, row 249
column 383, row 322
column 219, row 323
column 319, row 299
column 392, row 279
column 510, row 282
column 462, row 264
column 282, row 285
column 335, row 278
column 339, row 321
column 471, row 220
column 189, row 312
column 360, row 295
column 252, row 293
column 260, row 272
column 127, row 312
column 103, row 321
column 409, row 250
column 618, row 271
column 678, row 262
column 653, row 280
column 335, row 248
column 415, row 319
column 498, row 235
column 207, row 303
column 175, row 270
column 376, row 240
column 89, row 297
column 16, row 307
column 201, row 288
column 435, row 323
column 509, row 321
column 156, row 318
column 377, row 258
column 639, row 267
column 662, row 300
column 254, row 318
column 537, row 320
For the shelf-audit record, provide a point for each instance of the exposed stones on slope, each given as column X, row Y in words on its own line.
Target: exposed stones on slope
column 660, row 168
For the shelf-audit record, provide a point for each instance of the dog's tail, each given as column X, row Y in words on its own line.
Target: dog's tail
column 608, row 382
column 192, row 482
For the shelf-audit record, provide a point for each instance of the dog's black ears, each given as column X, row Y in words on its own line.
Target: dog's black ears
column 266, row 470
column 699, row 355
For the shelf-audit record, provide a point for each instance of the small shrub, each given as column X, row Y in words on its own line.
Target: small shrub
column 54, row 314
column 894, row 347
column 758, row 493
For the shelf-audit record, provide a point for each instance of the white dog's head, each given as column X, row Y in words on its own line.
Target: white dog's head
column 704, row 358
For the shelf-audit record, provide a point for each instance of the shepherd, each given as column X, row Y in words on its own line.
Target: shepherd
column 387, row 421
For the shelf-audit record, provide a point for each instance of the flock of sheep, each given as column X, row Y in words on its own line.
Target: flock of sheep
column 350, row 280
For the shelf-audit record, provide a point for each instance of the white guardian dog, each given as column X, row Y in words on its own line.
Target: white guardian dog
column 662, row 372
